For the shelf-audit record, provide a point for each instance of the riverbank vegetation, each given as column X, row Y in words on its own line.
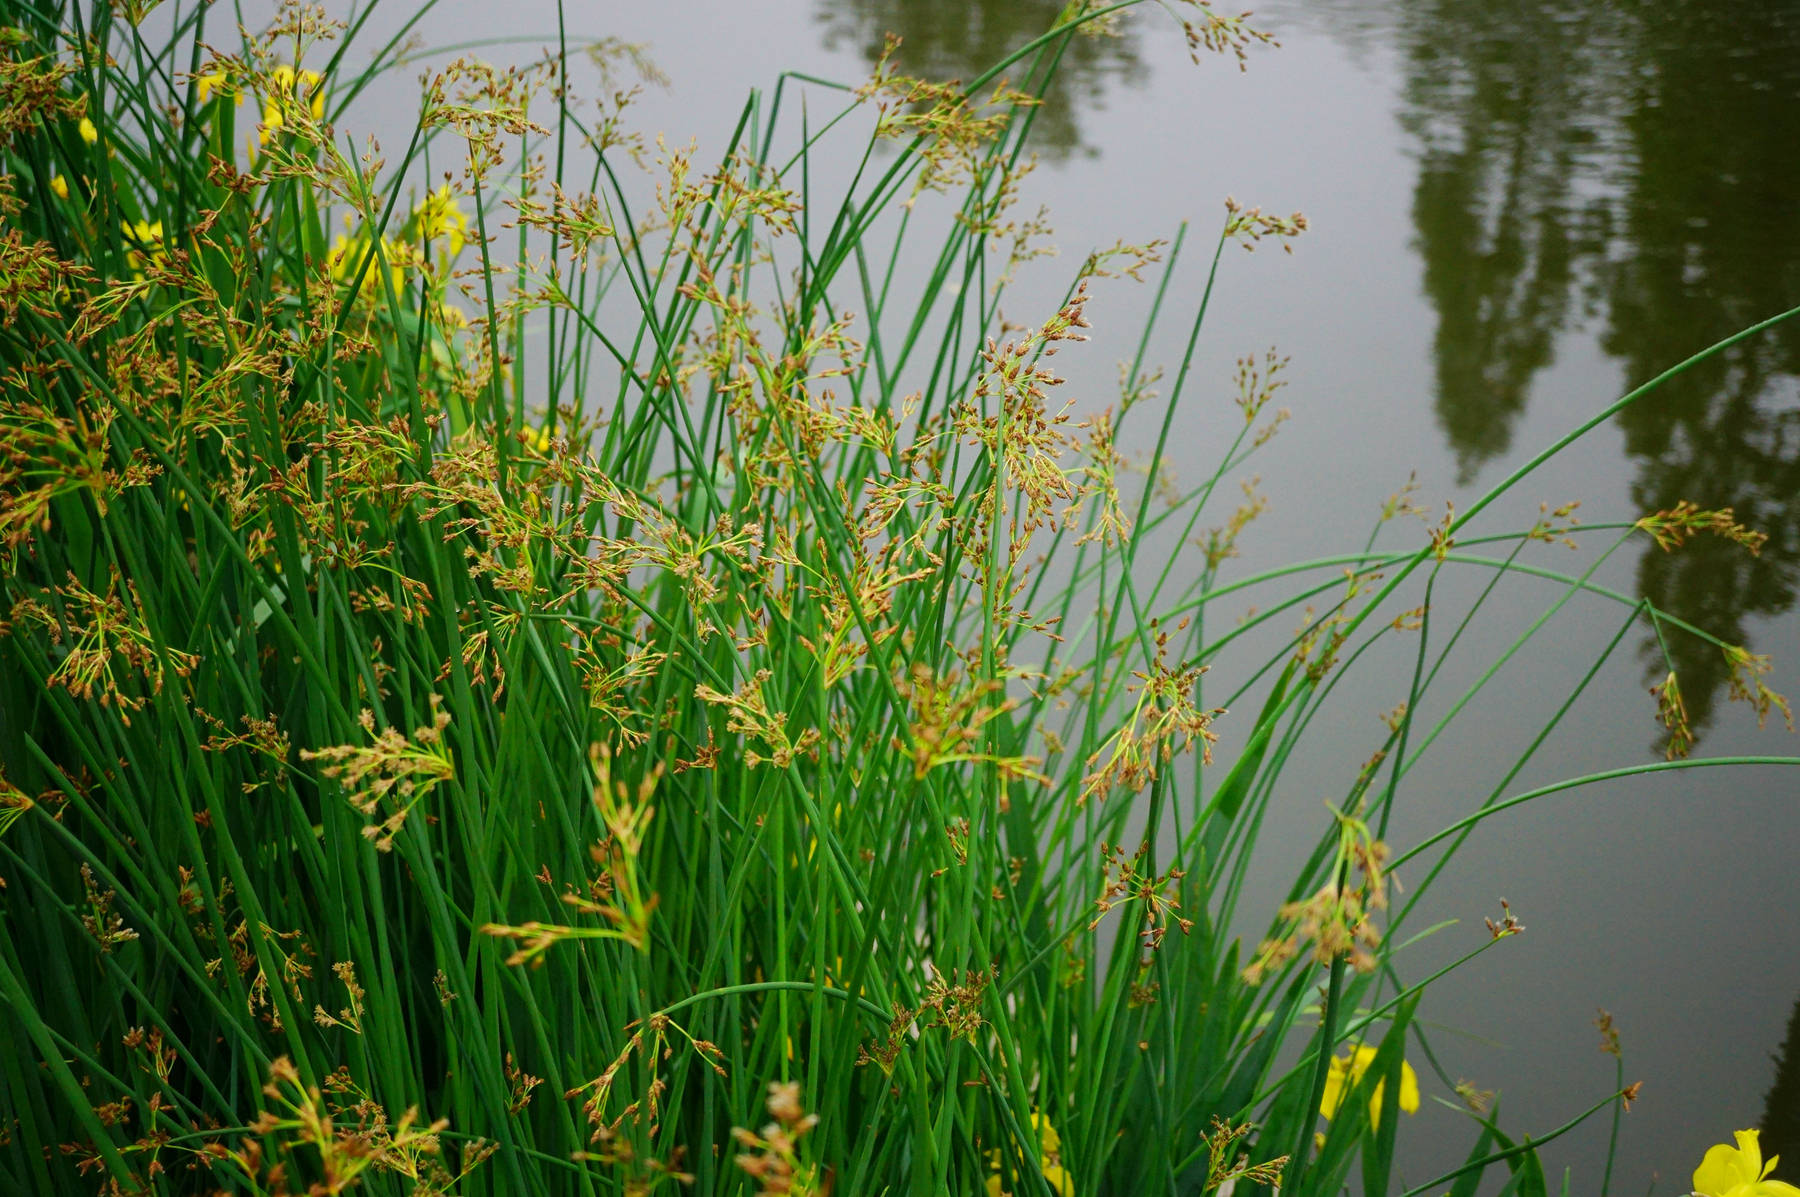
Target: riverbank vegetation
column 533, row 664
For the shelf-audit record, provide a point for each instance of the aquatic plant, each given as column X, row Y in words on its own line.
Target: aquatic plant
column 508, row 684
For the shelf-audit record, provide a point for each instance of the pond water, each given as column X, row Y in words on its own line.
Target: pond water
column 1518, row 210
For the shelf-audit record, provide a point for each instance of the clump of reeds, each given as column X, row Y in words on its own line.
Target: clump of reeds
column 507, row 681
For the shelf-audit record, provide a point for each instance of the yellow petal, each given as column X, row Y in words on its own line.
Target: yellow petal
column 1726, row 1168
column 313, row 86
column 1750, row 1146
column 1049, row 1142
column 1060, row 1182
column 993, row 1186
column 1345, row 1072
column 1338, row 1080
column 1773, row 1188
column 1409, row 1089
column 89, row 134
column 60, row 186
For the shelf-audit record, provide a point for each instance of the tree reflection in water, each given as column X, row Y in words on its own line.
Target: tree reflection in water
column 1632, row 165
column 1781, row 1105
column 959, row 39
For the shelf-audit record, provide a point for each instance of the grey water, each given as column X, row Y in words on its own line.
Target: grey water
column 1518, row 211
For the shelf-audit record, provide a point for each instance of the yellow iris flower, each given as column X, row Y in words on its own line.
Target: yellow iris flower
column 1049, row 1160
column 1347, row 1071
column 1054, row 1174
column 60, row 186
column 1739, row 1171
column 441, row 218
column 345, row 258
column 289, row 82
column 88, row 133
column 286, row 82
column 148, row 234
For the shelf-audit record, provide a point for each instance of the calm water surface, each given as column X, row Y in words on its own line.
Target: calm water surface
column 1518, row 211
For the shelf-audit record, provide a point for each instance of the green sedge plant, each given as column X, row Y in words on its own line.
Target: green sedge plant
column 530, row 665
